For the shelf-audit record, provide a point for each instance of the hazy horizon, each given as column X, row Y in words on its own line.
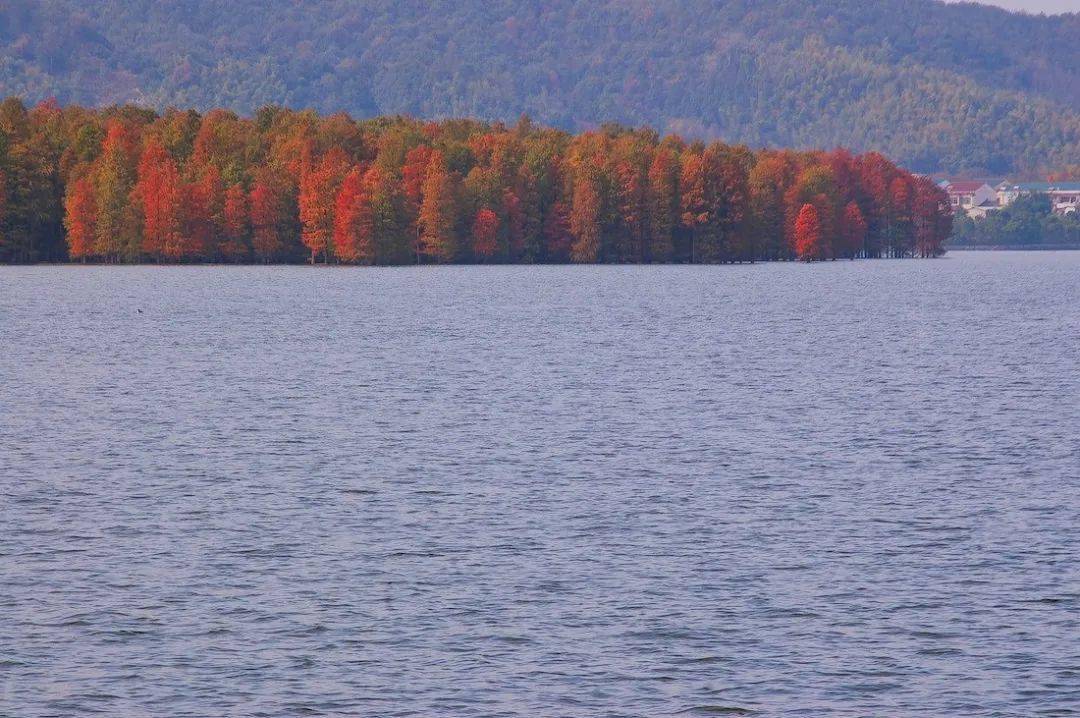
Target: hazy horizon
column 1032, row 6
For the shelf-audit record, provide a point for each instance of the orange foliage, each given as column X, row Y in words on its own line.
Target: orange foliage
column 852, row 231
column 485, row 234
column 437, row 212
column 319, row 182
column 557, row 234
column 158, row 189
column 809, row 243
column 80, row 216
column 185, row 186
column 354, row 231
column 237, row 224
column 585, row 221
column 268, row 217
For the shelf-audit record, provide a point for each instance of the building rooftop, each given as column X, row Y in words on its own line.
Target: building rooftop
column 1045, row 186
column 964, row 186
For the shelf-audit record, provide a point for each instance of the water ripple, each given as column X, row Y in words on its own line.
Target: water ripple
column 842, row 490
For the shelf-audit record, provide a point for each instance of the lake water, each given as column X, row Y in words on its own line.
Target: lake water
column 850, row 489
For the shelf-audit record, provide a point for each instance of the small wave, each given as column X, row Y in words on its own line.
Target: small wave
column 719, row 710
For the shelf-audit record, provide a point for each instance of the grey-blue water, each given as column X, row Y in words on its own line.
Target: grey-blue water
column 849, row 489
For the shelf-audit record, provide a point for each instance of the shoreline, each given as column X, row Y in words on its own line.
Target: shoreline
column 343, row 265
column 346, row 265
column 1015, row 248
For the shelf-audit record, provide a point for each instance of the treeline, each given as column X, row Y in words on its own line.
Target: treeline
column 1027, row 222
column 126, row 184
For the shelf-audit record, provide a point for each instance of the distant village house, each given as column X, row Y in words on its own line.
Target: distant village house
column 1064, row 196
column 977, row 198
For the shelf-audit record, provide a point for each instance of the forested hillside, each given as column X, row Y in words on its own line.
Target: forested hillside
column 935, row 86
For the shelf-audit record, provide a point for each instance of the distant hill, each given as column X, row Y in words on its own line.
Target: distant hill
column 955, row 88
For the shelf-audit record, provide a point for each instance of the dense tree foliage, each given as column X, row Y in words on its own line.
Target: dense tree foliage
column 809, row 238
column 935, row 86
column 1027, row 222
column 126, row 184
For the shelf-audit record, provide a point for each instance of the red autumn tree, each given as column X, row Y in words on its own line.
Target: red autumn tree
column 393, row 243
column 237, row 225
column 515, row 224
column 901, row 235
column 933, row 218
column 557, row 233
column 842, row 164
column 729, row 170
column 354, row 230
column 437, row 212
column 816, row 185
column 221, row 140
column 585, row 221
column 770, row 182
column 694, row 200
column 485, row 234
column 319, row 181
column 809, row 243
column 203, row 204
column 663, row 205
column 632, row 178
column 852, row 231
column 527, row 227
column 268, row 218
column 413, row 173
column 875, row 173
column 159, row 193
column 714, row 203
column 79, row 219
column 117, row 171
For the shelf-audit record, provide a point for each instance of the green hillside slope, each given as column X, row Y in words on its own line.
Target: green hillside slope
column 935, row 86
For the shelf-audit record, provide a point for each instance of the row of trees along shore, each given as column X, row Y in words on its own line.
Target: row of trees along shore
column 126, row 184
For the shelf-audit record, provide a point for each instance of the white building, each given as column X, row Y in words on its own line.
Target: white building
column 972, row 197
column 1064, row 196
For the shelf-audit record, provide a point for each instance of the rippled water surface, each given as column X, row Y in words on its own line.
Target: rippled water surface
column 849, row 489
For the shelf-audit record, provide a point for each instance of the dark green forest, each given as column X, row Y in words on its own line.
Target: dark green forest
column 954, row 88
